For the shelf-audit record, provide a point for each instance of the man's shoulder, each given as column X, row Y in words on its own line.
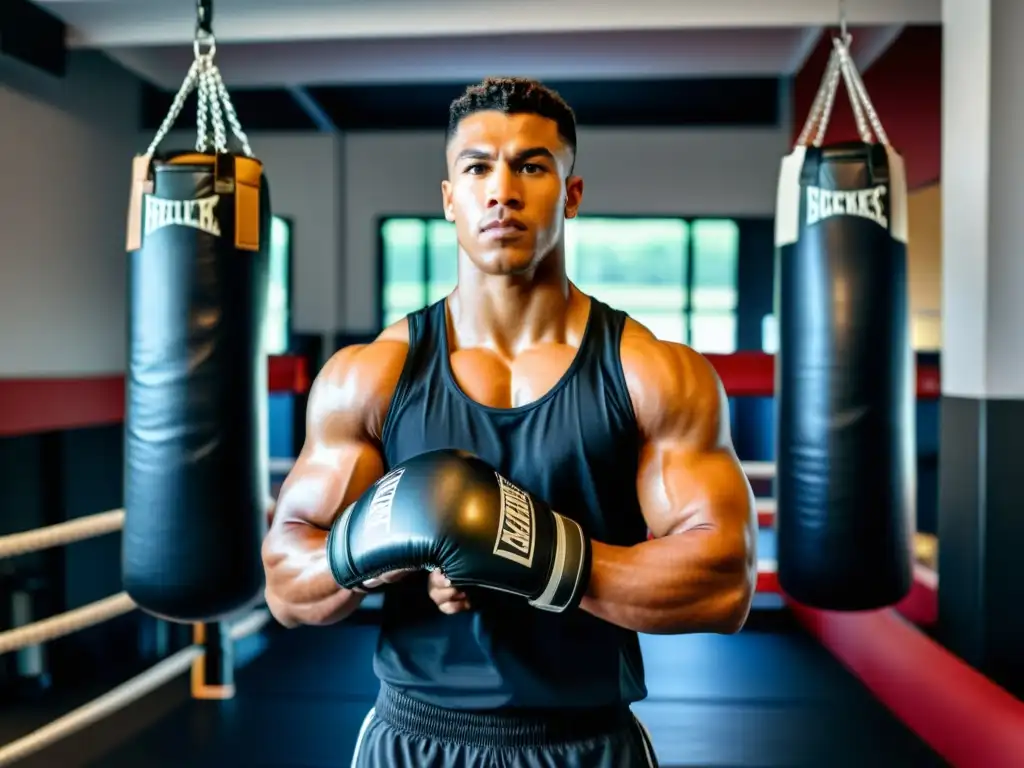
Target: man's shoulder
column 642, row 350
column 374, row 358
column 361, row 378
column 665, row 377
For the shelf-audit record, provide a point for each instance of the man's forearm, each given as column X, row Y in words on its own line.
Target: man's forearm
column 300, row 588
column 685, row 582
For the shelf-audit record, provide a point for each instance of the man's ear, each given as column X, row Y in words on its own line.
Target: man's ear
column 446, row 200
column 573, row 196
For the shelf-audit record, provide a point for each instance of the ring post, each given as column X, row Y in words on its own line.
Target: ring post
column 213, row 671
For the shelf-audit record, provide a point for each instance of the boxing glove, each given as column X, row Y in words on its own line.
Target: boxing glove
column 450, row 510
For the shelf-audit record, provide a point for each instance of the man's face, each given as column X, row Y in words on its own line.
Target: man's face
column 507, row 190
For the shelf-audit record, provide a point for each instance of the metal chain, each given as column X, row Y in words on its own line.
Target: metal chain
column 841, row 66
column 212, row 99
column 873, row 118
column 229, row 110
column 219, row 132
column 855, row 102
column 830, row 99
column 820, row 99
column 202, row 109
column 214, row 104
column 176, row 106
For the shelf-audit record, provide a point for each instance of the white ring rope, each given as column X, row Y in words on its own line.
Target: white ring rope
column 121, row 696
column 66, row 623
column 62, row 533
column 759, row 470
column 281, row 466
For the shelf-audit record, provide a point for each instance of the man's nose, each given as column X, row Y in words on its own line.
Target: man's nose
column 503, row 188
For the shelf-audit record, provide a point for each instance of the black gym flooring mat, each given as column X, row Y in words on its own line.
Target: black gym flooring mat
column 760, row 698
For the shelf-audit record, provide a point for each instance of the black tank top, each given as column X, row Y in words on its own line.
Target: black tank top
column 577, row 448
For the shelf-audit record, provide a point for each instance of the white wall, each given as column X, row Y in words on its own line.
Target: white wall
column 625, row 171
column 67, row 145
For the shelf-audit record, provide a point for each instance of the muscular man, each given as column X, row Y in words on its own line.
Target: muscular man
column 562, row 395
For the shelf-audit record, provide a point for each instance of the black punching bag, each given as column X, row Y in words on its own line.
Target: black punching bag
column 844, row 378
column 195, row 422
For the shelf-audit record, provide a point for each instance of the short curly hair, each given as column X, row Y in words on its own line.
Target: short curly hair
column 514, row 95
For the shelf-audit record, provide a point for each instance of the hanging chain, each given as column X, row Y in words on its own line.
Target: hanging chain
column 823, row 103
column 846, row 64
column 869, row 108
column 213, row 103
column 842, row 67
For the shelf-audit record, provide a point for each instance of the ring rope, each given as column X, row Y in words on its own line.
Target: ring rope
column 759, row 470
column 62, row 624
column 121, row 696
column 62, row 533
column 280, row 466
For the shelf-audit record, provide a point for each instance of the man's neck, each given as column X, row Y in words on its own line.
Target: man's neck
column 509, row 314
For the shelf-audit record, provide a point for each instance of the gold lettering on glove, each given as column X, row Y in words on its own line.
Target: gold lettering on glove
column 515, row 540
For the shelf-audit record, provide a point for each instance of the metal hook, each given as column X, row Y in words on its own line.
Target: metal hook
column 843, row 34
column 204, row 18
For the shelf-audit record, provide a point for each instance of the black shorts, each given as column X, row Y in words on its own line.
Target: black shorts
column 400, row 732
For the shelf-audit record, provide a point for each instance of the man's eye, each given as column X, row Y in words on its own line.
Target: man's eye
column 533, row 168
column 476, row 168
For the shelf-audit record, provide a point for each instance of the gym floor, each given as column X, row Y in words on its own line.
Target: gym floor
column 768, row 697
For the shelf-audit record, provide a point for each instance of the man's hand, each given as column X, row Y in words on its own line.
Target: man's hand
column 449, row 510
column 449, row 599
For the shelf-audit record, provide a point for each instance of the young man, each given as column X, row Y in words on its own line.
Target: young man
column 562, row 395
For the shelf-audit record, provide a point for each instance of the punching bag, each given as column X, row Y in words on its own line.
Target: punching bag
column 845, row 483
column 195, row 466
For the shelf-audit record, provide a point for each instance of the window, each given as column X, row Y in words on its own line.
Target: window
column 637, row 265
column 676, row 276
column 278, row 325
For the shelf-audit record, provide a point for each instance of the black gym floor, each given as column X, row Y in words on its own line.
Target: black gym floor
column 765, row 697
column 768, row 697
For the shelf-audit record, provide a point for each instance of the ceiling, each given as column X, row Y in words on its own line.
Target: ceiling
column 304, row 43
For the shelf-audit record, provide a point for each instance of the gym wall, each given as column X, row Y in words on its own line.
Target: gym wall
column 67, row 148
column 924, row 260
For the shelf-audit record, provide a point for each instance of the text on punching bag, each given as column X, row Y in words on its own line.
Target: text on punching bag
column 199, row 214
column 515, row 527
column 864, row 203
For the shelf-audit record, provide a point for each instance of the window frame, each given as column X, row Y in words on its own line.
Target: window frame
column 689, row 256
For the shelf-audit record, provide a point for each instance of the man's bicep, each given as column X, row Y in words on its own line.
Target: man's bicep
column 682, row 487
column 325, row 481
column 339, row 459
column 689, row 475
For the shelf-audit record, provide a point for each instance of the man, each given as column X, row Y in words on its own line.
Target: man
column 562, row 395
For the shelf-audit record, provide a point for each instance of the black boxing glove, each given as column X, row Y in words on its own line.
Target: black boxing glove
column 449, row 510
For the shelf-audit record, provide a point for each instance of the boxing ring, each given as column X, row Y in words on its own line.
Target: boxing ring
column 797, row 687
